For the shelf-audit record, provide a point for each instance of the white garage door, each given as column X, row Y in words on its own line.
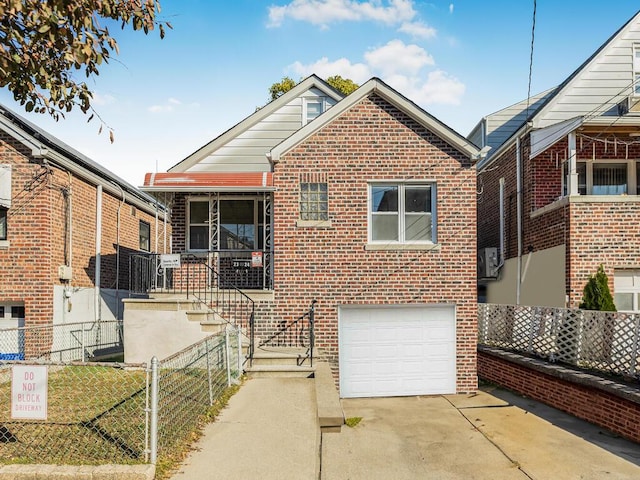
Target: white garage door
column 397, row 350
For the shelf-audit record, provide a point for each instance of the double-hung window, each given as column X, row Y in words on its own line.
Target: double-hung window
column 402, row 213
column 3, row 223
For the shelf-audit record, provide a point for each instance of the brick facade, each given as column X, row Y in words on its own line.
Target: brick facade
column 593, row 232
column 375, row 141
column 45, row 201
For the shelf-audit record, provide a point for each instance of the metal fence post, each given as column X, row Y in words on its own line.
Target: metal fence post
column 239, row 333
column 154, row 410
column 228, row 354
column 209, row 383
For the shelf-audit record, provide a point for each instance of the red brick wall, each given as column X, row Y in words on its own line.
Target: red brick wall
column 593, row 233
column 374, row 141
column 610, row 411
column 36, row 233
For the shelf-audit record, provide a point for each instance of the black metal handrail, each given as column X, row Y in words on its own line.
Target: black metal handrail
column 195, row 278
column 292, row 334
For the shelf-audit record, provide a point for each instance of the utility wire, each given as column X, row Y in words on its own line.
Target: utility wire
column 533, row 38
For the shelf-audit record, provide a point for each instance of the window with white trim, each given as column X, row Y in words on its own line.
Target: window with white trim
column 402, row 213
column 626, row 290
column 312, row 107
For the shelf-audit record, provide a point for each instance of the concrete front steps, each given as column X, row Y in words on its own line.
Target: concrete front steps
column 271, row 361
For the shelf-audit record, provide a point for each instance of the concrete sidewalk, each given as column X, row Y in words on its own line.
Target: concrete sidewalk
column 268, row 431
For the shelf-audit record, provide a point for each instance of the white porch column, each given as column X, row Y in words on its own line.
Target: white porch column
column 572, row 175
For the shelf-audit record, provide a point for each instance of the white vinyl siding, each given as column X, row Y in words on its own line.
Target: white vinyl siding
column 247, row 151
column 636, row 69
column 601, row 85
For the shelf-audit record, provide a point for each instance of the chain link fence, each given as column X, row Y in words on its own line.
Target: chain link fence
column 604, row 341
column 98, row 413
column 188, row 384
column 65, row 342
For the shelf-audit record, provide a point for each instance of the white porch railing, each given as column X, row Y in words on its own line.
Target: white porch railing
column 605, row 341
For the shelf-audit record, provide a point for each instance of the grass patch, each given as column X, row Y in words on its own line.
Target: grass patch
column 352, row 421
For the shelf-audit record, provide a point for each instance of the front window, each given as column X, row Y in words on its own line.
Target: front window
column 240, row 224
column 145, row 236
column 402, row 213
column 199, row 225
column 314, row 201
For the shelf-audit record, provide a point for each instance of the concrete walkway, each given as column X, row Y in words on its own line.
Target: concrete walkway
column 270, row 431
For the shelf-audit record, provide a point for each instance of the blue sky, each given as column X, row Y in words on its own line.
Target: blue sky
column 458, row 60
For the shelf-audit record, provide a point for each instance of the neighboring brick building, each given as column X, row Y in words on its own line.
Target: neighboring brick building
column 559, row 194
column 368, row 209
column 49, row 224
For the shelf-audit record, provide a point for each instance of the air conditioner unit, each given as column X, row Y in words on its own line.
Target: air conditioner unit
column 488, row 262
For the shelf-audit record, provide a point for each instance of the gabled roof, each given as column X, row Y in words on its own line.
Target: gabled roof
column 377, row 86
column 312, row 81
column 537, row 113
column 43, row 145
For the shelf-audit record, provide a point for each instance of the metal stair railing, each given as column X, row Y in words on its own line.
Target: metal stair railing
column 293, row 334
column 195, row 278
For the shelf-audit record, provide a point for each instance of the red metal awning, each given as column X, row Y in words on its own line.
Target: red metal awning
column 208, row 181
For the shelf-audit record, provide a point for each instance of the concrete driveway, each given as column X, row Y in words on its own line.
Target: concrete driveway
column 490, row 435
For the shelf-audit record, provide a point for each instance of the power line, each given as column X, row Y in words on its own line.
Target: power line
column 533, row 38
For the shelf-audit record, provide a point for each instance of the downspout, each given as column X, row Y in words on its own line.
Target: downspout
column 67, row 288
column 97, row 312
column 118, row 253
column 519, row 216
column 157, row 233
column 502, row 255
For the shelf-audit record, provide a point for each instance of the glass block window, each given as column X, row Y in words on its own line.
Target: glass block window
column 314, row 201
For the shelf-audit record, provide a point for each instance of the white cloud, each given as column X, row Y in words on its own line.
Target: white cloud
column 324, row 12
column 451, row 8
column 402, row 66
column 418, row 30
column 396, row 57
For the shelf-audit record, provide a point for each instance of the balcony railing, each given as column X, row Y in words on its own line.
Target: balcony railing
column 242, row 269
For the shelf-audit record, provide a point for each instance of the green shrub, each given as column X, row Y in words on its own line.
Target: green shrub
column 596, row 294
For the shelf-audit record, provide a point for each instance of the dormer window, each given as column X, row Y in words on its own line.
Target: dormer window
column 313, row 107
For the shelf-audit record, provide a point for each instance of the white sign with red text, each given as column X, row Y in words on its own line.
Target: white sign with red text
column 29, row 388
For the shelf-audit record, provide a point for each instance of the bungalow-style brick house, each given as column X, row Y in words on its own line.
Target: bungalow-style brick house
column 559, row 193
column 365, row 204
column 67, row 226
